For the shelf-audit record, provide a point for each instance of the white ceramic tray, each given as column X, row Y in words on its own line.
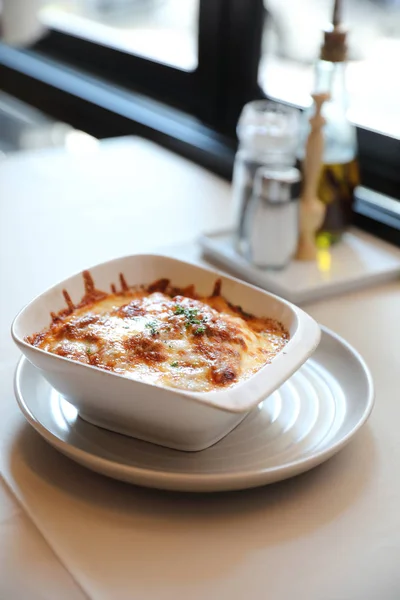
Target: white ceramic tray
column 359, row 260
column 310, row 418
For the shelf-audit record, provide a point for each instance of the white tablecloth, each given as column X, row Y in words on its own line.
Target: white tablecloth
column 331, row 534
column 28, row 566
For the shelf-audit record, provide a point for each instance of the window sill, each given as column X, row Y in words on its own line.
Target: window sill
column 104, row 109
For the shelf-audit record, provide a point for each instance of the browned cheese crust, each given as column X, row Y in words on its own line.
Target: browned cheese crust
column 163, row 335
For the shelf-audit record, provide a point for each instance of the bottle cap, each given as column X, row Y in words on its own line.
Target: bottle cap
column 334, row 48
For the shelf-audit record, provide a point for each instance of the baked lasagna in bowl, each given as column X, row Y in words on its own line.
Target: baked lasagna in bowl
column 163, row 350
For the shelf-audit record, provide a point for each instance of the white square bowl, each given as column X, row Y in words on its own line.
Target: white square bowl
column 170, row 417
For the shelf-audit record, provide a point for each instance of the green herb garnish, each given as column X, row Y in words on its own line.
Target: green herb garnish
column 152, row 325
column 190, row 314
column 89, row 351
column 174, row 364
column 200, row 330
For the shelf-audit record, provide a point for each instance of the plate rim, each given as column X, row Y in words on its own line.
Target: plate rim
column 171, row 480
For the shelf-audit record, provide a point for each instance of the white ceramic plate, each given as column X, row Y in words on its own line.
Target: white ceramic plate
column 310, row 418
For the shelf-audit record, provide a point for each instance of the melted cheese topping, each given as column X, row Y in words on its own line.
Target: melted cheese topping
column 193, row 344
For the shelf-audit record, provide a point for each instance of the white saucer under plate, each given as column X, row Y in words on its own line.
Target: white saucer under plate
column 310, row 418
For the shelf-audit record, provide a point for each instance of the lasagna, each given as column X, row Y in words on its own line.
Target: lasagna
column 163, row 335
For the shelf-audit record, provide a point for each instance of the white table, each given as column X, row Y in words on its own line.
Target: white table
column 331, row 534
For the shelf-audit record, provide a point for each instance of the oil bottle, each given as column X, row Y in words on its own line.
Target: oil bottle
column 339, row 173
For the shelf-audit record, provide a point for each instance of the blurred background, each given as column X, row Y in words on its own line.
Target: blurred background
column 179, row 72
column 291, row 41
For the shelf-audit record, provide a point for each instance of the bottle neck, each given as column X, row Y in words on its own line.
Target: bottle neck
column 330, row 77
column 340, row 143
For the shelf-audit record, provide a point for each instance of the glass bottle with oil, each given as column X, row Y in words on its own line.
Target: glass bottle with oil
column 339, row 174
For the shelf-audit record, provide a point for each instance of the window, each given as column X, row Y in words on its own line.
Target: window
column 162, row 48
column 161, row 30
column 292, row 36
column 291, row 41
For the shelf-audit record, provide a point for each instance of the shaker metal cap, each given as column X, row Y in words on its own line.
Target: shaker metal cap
column 277, row 185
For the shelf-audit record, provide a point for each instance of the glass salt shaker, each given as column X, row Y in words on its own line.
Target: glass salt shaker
column 268, row 137
column 271, row 223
